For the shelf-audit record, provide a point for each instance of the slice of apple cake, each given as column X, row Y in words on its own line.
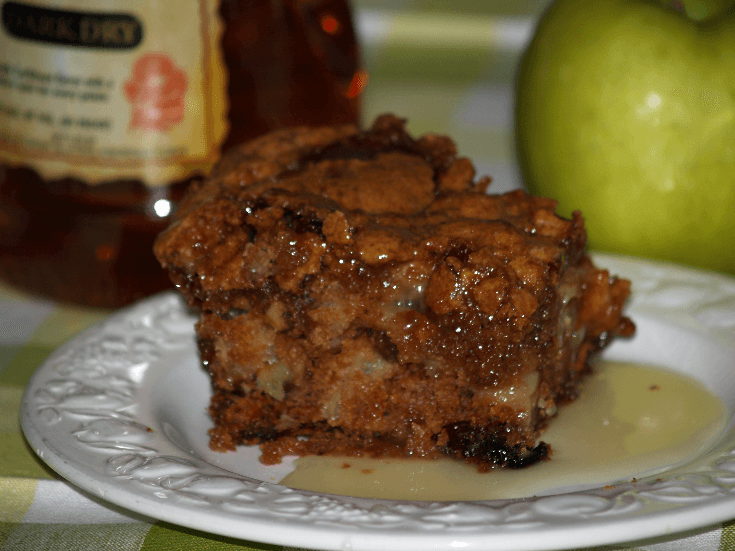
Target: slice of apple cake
column 361, row 294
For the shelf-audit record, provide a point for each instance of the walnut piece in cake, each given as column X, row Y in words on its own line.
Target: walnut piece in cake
column 361, row 294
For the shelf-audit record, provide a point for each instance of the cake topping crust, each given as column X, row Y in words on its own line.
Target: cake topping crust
column 360, row 293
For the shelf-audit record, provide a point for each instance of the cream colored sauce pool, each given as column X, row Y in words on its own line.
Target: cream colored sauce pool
column 629, row 420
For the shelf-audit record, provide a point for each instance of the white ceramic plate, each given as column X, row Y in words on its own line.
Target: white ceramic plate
column 120, row 412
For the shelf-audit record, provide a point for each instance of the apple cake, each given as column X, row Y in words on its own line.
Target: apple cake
column 360, row 293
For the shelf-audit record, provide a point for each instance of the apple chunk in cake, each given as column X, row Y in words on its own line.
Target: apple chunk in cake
column 361, row 294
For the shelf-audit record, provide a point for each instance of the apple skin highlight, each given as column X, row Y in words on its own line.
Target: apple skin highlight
column 626, row 111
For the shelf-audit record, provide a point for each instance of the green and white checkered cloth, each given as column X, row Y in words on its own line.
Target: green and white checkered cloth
column 445, row 72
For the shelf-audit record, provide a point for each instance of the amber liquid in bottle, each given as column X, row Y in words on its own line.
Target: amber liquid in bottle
column 288, row 63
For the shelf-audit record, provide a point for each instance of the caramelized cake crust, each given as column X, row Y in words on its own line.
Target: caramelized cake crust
column 361, row 294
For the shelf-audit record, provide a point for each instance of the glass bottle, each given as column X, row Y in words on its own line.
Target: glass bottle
column 106, row 117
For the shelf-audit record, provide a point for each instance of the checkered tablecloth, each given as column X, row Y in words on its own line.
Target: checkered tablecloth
column 446, row 72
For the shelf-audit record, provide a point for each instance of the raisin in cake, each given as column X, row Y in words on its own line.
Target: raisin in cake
column 361, row 294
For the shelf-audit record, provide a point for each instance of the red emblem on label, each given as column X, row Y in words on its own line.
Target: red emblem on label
column 156, row 90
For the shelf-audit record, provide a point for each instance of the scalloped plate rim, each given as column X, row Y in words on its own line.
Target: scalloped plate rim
column 310, row 530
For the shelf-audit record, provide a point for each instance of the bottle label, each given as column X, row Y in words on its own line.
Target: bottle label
column 133, row 89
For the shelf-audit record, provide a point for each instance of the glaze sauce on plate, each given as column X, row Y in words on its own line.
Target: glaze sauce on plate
column 630, row 420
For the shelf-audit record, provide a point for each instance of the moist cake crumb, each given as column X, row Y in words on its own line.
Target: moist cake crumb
column 360, row 294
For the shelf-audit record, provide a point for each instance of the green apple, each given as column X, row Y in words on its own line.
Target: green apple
column 626, row 111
